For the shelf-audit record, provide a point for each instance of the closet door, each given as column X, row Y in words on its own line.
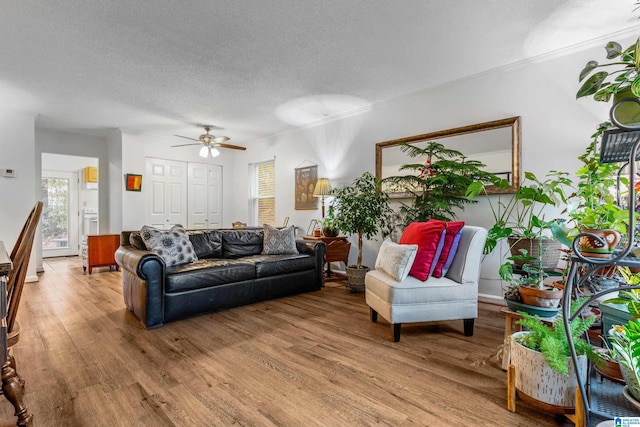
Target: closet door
column 166, row 198
column 204, row 195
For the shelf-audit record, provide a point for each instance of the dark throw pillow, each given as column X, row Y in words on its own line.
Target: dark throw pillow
column 279, row 241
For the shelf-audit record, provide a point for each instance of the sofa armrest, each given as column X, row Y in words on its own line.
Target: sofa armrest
column 143, row 274
column 318, row 249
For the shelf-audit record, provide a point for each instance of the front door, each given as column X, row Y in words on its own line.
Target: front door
column 59, row 214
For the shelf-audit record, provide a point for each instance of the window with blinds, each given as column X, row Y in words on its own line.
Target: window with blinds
column 262, row 193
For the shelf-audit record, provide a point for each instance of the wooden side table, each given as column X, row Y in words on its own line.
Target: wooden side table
column 99, row 251
column 337, row 251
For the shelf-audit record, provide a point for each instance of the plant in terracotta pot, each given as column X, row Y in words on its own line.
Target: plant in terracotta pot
column 328, row 223
column 360, row 209
column 542, row 359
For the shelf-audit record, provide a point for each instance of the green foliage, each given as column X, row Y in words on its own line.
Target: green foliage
column 438, row 183
column 534, row 276
column 55, row 211
column 361, row 209
column 551, row 340
column 625, row 340
column 631, row 297
column 623, row 73
column 522, row 215
column 593, row 205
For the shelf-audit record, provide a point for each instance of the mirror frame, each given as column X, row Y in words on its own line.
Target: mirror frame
column 512, row 122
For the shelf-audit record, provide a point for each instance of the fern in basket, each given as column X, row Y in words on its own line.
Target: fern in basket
column 551, row 340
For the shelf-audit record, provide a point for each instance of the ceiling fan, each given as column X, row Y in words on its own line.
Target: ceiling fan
column 210, row 143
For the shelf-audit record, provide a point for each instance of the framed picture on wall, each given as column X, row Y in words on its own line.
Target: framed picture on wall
column 133, row 182
column 305, row 182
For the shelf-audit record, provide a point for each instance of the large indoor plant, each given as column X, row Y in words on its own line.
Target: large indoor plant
column 436, row 183
column 360, row 208
column 542, row 360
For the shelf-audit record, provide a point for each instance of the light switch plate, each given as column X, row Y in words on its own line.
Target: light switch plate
column 9, row 173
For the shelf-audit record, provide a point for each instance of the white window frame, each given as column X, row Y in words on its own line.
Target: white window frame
column 253, row 190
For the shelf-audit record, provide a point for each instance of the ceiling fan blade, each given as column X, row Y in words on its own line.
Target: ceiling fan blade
column 184, row 145
column 186, row 137
column 233, row 147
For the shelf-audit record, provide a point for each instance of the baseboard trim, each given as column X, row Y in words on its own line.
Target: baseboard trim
column 29, row 279
column 491, row 299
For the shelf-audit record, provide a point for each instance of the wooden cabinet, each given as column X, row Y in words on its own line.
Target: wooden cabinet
column 91, row 174
column 99, row 251
column 337, row 251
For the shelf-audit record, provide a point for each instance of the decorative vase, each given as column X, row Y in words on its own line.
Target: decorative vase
column 355, row 278
column 548, row 297
column 550, row 251
column 594, row 248
column 537, row 380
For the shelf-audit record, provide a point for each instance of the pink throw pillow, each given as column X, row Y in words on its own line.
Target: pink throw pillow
column 453, row 228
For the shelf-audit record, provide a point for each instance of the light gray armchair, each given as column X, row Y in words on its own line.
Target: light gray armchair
column 451, row 297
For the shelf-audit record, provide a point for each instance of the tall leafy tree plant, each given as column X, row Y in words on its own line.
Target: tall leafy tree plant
column 437, row 183
column 362, row 209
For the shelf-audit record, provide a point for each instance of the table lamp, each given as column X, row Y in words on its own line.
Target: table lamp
column 322, row 188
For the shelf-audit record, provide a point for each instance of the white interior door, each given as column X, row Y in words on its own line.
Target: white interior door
column 166, row 194
column 204, row 195
column 60, row 214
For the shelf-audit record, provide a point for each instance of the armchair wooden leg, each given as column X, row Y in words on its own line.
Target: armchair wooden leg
column 395, row 327
column 468, row 327
column 373, row 314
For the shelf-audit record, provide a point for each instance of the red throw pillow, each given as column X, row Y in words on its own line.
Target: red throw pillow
column 452, row 228
column 427, row 236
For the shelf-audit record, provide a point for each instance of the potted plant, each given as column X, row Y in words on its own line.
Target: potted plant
column 363, row 210
column 328, row 223
column 542, row 360
column 437, row 183
column 593, row 207
column 625, row 340
column 619, row 78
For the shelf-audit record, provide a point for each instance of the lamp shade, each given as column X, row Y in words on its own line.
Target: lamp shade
column 323, row 187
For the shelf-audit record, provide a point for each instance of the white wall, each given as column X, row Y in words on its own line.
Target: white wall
column 555, row 130
column 17, row 151
column 114, row 158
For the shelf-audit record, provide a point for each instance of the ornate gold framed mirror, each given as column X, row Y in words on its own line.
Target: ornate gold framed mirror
column 495, row 143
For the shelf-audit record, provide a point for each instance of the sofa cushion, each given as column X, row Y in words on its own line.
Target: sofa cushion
column 241, row 243
column 273, row 265
column 429, row 238
column 206, row 243
column 206, row 273
column 453, row 230
column 395, row 259
column 172, row 245
column 279, row 241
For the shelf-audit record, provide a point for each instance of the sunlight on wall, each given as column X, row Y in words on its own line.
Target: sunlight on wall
column 577, row 21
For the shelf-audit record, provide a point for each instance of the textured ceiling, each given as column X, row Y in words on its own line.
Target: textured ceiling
column 251, row 67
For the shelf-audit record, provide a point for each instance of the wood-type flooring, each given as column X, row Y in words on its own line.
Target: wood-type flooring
column 313, row 359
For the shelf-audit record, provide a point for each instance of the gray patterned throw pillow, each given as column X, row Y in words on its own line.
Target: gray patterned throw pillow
column 279, row 241
column 173, row 245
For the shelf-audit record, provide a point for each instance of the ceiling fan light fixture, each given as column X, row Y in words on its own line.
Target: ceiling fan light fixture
column 219, row 139
column 204, row 151
column 214, row 152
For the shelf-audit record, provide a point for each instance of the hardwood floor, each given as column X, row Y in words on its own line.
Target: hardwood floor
column 310, row 359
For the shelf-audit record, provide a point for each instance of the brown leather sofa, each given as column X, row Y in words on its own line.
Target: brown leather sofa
column 230, row 271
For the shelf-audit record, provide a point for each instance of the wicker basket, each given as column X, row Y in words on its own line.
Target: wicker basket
column 550, row 251
column 355, row 278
